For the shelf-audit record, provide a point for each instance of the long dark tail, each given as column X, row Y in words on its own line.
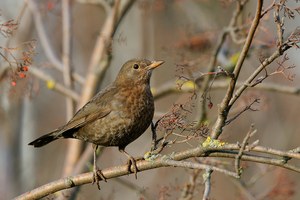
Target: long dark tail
column 45, row 139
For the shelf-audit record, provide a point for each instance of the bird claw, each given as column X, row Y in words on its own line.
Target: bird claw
column 132, row 162
column 97, row 177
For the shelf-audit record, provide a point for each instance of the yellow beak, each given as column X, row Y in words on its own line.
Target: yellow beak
column 155, row 64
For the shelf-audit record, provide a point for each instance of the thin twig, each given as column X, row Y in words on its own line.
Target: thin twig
column 273, row 87
column 258, row 159
column 265, row 11
column 192, row 165
column 248, row 107
column 239, row 155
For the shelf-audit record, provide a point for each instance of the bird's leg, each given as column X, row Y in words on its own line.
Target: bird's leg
column 154, row 136
column 131, row 162
column 97, row 174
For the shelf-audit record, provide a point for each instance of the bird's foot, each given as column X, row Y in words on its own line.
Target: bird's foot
column 132, row 162
column 98, row 176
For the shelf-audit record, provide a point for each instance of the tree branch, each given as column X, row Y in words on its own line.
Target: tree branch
column 226, row 151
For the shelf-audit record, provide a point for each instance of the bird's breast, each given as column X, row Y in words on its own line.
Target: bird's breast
column 135, row 108
column 136, row 102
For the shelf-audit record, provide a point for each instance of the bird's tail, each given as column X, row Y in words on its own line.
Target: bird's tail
column 45, row 139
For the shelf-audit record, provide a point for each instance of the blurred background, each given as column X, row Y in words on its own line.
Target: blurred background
column 184, row 34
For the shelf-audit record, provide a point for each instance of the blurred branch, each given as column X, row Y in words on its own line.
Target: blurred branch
column 243, row 190
column 133, row 187
column 44, row 39
column 264, row 86
column 70, row 160
column 227, row 151
column 77, row 77
column 233, row 26
column 189, row 188
column 53, row 85
column 94, row 71
column 171, row 87
column 99, row 61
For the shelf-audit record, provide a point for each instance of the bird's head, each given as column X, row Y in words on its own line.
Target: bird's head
column 137, row 71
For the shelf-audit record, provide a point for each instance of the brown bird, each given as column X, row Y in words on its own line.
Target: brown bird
column 116, row 116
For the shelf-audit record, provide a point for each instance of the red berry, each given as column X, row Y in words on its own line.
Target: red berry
column 25, row 68
column 22, row 75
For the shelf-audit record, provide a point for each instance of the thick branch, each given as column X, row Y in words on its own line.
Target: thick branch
column 227, row 151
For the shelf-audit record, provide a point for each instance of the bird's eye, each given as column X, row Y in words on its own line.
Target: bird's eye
column 136, row 66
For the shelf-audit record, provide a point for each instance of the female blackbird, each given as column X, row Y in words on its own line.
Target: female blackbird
column 116, row 116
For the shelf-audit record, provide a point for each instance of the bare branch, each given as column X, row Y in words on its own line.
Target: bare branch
column 243, row 146
column 225, row 151
column 207, row 183
column 169, row 162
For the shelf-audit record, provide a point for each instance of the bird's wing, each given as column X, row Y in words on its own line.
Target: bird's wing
column 97, row 107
